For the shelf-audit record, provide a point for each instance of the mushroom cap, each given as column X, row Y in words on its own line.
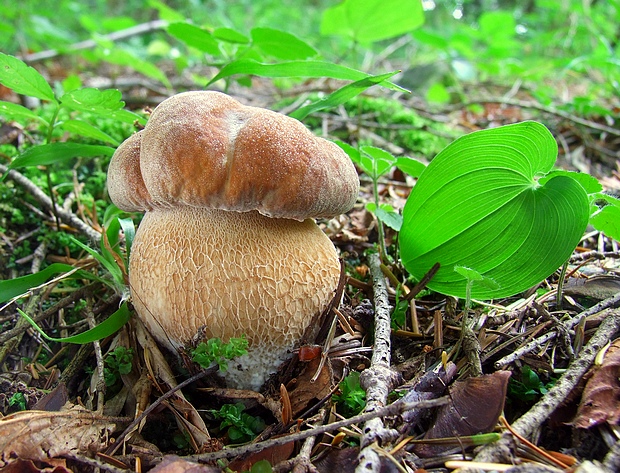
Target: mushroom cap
column 205, row 149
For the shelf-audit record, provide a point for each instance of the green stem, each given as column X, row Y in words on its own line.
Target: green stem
column 50, row 189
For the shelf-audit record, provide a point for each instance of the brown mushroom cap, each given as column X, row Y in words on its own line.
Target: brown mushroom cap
column 205, row 149
column 227, row 247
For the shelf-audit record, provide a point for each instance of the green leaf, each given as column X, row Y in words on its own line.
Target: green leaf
column 89, row 99
column 108, row 327
column 386, row 214
column 54, row 153
column 281, row 45
column 589, row 183
column 607, row 220
column 410, row 166
column 195, row 37
column 126, row 58
column 14, row 111
column 23, row 79
column 11, row 288
column 230, row 36
column 376, row 161
column 295, row 69
column 78, row 127
column 341, row 96
column 478, row 205
column 366, row 21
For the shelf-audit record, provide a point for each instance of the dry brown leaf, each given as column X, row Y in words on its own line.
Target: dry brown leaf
column 174, row 464
column 304, row 390
column 600, row 401
column 40, row 435
column 27, row 466
column 185, row 413
column 475, row 406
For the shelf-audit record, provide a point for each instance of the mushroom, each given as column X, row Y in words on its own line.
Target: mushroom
column 228, row 245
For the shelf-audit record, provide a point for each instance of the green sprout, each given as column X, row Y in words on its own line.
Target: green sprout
column 242, row 427
column 352, row 398
column 215, row 351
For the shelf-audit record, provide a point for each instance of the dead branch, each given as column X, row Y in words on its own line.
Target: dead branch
column 66, row 216
column 90, row 43
column 379, row 379
column 569, row 324
column 393, row 409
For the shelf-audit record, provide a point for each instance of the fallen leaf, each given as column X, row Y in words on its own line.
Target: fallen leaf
column 18, row 465
column 600, row 401
column 174, row 464
column 273, row 455
column 475, row 406
column 41, row 435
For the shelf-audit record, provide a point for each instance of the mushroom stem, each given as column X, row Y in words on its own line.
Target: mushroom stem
column 230, row 274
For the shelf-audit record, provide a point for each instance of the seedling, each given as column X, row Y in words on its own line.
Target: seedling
column 214, row 351
column 352, row 398
column 18, row 400
column 242, row 427
column 376, row 163
column 117, row 363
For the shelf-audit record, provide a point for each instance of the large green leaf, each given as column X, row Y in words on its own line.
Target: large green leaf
column 14, row 287
column 89, row 99
column 367, row 21
column 23, row 79
column 478, row 204
column 15, row 111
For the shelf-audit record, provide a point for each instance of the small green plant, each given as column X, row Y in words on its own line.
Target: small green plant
column 241, row 427
column 215, row 351
column 18, row 400
column 529, row 387
column 376, row 163
column 352, row 398
column 117, row 363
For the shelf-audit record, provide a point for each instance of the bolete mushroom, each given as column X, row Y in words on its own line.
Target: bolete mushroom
column 228, row 245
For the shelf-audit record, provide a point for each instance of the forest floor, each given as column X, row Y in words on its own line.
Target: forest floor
column 540, row 369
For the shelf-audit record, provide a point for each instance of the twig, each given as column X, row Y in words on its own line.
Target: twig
column 90, row 43
column 379, row 379
column 67, row 217
column 569, row 324
column 540, row 412
column 395, row 408
column 101, row 386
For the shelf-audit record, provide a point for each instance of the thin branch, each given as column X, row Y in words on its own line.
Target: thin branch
column 569, row 324
column 378, row 379
column 393, row 409
column 90, row 43
column 67, row 217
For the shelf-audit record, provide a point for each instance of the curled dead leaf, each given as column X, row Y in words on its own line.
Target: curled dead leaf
column 41, row 435
column 600, row 401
